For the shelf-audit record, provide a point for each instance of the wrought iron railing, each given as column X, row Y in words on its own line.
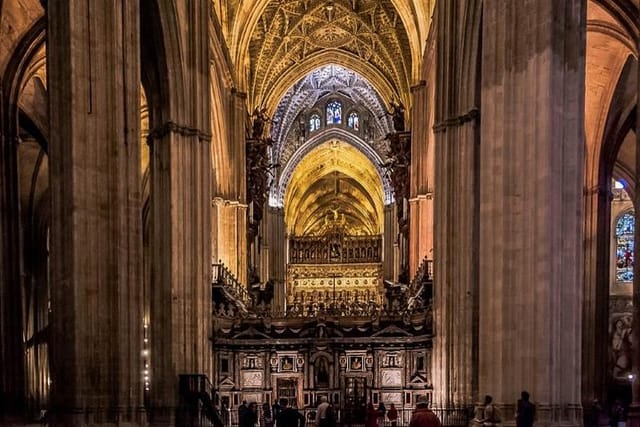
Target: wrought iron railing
column 424, row 273
column 420, row 292
column 449, row 417
column 223, row 278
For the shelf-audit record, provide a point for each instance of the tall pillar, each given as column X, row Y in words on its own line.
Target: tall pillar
column 96, row 239
column 229, row 236
column 275, row 243
column 531, row 205
column 454, row 361
column 12, row 384
column 274, row 255
column 421, row 173
column 634, row 410
column 229, row 207
column 595, row 311
column 181, row 299
column 390, row 257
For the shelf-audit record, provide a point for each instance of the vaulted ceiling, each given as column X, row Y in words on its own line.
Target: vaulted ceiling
column 290, row 131
column 289, row 32
column 274, row 43
column 327, row 80
column 335, row 185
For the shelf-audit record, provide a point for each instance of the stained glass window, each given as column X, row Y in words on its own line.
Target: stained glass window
column 353, row 121
column 334, row 113
column 624, row 247
column 314, row 123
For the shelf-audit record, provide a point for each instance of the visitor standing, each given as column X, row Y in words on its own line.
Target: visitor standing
column 242, row 413
column 491, row 416
column 266, row 418
column 525, row 411
column 321, row 412
column 392, row 415
column 382, row 411
column 288, row 417
column 372, row 416
column 423, row 416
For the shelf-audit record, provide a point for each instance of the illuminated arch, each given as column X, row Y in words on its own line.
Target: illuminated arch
column 277, row 197
column 334, row 181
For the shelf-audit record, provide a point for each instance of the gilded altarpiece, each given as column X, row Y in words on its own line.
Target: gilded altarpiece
column 349, row 289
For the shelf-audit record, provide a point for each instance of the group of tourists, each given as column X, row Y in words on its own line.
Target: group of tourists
column 525, row 412
column 282, row 414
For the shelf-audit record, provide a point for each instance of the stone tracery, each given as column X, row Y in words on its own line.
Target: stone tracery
column 292, row 31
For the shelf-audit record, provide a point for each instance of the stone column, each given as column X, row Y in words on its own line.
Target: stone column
column 531, row 206
column 229, row 207
column 12, row 385
column 96, row 239
column 634, row 410
column 595, row 312
column 276, row 243
column 229, row 236
column 422, row 177
column 454, row 361
column 273, row 254
column 390, row 260
column 181, row 300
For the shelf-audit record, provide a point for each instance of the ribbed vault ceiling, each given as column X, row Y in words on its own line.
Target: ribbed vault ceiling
column 290, row 32
column 305, row 94
column 335, row 187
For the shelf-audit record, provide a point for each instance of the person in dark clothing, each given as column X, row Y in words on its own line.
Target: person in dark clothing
column 289, row 417
column 242, row 412
column 372, row 416
column 251, row 416
column 392, row 415
column 525, row 412
column 275, row 410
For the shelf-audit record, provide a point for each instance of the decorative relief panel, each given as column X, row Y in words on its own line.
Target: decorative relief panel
column 391, row 378
column 252, row 379
column 620, row 347
column 388, row 398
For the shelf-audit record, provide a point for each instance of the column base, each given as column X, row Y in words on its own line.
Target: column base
column 98, row 417
column 162, row 417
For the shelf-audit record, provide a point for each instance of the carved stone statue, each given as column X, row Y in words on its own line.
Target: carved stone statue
column 397, row 111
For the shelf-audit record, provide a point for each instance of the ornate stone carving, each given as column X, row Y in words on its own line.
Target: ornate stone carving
column 252, row 379
column 391, row 378
column 293, row 30
column 292, row 133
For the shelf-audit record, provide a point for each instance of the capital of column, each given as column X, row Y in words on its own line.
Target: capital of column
column 471, row 115
column 170, row 126
column 217, row 201
column 419, row 197
column 239, row 94
column 600, row 190
column 421, row 85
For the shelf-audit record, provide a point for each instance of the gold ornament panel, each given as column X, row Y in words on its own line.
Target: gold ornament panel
column 345, row 283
